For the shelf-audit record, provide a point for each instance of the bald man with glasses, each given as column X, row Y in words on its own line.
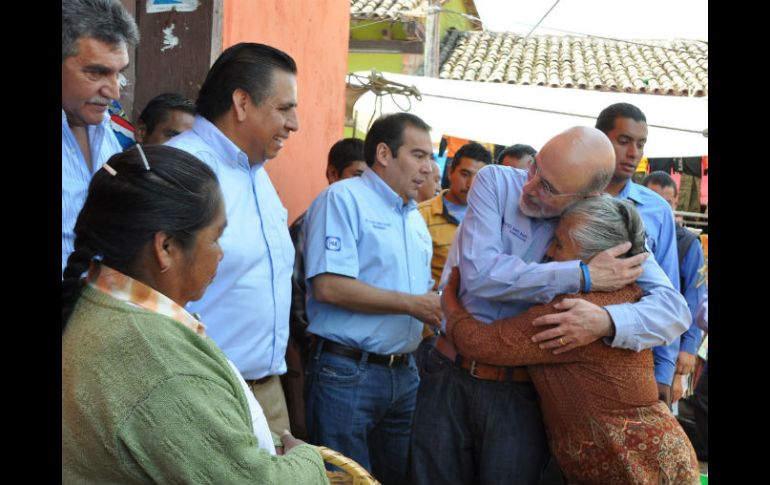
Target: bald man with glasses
column 545, row 187
column 479, row 423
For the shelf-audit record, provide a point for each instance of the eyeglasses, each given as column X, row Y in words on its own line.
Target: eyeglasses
column 545, row 187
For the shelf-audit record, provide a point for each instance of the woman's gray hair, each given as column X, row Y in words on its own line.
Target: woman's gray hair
column 603, row 222
column 104, row 20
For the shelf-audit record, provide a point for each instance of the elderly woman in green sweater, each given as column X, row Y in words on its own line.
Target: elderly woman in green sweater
column 146, row 396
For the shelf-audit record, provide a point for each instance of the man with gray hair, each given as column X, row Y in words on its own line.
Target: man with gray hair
column 481, row 423
column 95, row 39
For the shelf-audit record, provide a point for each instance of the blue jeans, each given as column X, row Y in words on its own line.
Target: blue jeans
column 470, row 431
column 364, row 411
column 423, row 350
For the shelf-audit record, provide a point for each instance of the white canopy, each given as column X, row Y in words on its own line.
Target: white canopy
column 507, row 113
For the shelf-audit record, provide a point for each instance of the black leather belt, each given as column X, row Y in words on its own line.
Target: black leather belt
column 392, row 360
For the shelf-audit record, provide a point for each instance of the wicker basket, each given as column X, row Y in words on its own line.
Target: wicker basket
column 353, row 474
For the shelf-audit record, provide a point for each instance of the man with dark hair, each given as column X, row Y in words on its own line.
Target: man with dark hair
column 95, row 38
column 246, row 111
column 692, row 278
column 367, row 257
column 480, row 423
column 446, row 211
column 164, row 117
column 626, row 127
column 517, row 156
column 345, row 160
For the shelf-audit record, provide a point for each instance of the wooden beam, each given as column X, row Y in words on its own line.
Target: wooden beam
column 385, row 46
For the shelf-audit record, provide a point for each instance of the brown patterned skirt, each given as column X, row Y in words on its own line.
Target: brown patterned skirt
column 644, row 446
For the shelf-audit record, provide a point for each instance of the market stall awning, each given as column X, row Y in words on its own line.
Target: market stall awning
column 506, row 113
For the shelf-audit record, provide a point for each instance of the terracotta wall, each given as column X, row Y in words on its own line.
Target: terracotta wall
column 315, row 33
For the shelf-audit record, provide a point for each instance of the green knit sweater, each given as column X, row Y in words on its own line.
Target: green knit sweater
column 147, row 400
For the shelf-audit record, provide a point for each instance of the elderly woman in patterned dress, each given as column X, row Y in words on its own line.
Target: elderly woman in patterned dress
column 600, row 404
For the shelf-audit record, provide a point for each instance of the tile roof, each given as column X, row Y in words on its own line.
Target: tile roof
column 381, row 9
column 676, row 67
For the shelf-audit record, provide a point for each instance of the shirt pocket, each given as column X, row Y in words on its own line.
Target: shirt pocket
column 285, row 247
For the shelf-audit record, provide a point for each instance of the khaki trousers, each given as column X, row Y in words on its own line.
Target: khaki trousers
column 269, row 394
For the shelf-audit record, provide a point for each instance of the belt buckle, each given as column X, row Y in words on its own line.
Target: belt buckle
column 392, row 358
column 472, row 370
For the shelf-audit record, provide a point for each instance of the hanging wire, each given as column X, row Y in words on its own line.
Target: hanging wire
column 380, row 87
column 408, row 99
column 467, row 16
column 370, row 23
column 543, row 18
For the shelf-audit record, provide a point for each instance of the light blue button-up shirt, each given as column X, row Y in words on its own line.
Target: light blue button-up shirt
column 75, row 175
column 660, row 227
column 246, row 308
column 362, row 229
column 694, row 291
column 499, row 250
column 661, row 241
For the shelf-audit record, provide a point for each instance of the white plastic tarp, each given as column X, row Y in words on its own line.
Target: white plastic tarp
column 507, row 113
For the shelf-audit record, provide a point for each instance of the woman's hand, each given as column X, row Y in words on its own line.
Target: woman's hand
column 289, row 442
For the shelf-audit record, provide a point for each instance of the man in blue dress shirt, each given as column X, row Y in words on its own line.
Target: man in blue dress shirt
column 692, row 278
column 626, row 127
column 246, row 110
column 477, row 423
column 95, row 40
column 367, row 261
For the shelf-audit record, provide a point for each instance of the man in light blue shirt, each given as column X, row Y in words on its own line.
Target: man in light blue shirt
column 367, row 263
column 476, row 422
column 692, row 278
column 626, row 127
column 246, row 110
column 95, row 40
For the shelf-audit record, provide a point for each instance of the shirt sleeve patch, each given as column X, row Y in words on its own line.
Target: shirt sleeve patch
column 333, row 243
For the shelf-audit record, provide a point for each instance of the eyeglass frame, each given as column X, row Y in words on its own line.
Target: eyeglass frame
column 546, row 186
